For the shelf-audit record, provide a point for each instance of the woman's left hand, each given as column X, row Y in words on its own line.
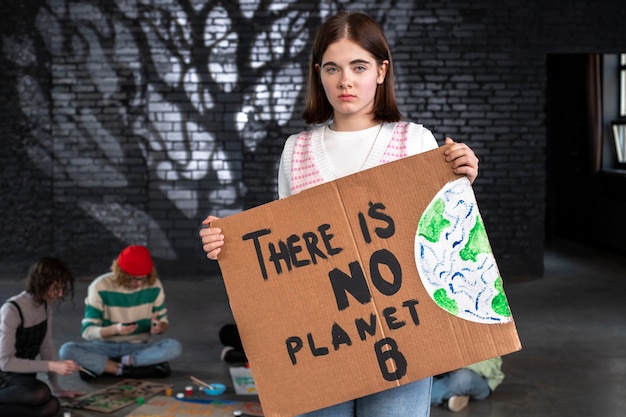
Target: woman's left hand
column 464, row 161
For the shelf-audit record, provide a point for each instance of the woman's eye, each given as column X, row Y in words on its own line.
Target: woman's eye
column 331, row 70
column 360, row 68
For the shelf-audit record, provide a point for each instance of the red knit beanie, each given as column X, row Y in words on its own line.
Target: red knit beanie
column 135, row 260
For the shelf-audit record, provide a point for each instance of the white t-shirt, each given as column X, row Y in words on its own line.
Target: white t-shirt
column 338, row 154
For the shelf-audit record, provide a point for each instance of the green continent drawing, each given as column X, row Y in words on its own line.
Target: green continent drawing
column 454, row 258
column 441, row 298
column 499, row 303
column 432, row 222
column 477, row 242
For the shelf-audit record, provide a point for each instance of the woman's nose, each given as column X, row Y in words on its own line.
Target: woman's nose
column 344, row 81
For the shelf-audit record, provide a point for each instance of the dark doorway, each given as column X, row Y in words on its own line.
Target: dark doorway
column 569, row 182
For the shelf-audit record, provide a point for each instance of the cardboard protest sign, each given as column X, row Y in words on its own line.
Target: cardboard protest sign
column 363, row 284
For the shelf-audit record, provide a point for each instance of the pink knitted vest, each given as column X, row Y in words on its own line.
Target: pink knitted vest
column 304, row 172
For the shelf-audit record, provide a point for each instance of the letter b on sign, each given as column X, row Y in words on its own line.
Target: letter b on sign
column 391, row 361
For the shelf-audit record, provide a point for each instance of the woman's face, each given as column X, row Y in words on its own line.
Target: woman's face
column 55, row 291
column 350, row 75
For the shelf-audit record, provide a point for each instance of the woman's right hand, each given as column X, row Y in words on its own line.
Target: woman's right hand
column 63, row 367
column 212, row 238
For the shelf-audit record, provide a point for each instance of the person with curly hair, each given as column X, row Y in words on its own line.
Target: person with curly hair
column 26, row 345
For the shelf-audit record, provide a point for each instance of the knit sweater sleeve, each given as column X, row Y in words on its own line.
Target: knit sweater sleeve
column 420, row 139
column 94, row 312
column 284, row 167
column 159, row 303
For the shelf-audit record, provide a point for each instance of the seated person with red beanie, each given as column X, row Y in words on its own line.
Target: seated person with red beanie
column 124, row 310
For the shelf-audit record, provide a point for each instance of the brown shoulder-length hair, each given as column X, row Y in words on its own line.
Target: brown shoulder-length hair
column 122, row 278
column 48, row 272
column 365, row 31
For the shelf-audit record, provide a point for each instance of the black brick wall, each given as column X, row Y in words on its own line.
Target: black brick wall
column 119, row 124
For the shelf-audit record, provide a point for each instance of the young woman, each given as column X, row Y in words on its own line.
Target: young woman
column 350, row 94
column 25, row 333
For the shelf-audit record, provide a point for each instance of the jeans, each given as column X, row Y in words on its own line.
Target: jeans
column 409, row 400
column 94, row 355
column 459, row 382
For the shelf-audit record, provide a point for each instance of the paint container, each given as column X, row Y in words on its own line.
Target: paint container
column 168, row 391
column 188, row 390
column 213, row 389
column 140, row 400
column 180, row 395
column 67, row 414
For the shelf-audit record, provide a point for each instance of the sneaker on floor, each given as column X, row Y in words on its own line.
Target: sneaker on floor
column 232, row 356
column 160, row 370
column 458, row 402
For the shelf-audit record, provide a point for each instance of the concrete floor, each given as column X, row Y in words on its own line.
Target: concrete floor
column 572, row 324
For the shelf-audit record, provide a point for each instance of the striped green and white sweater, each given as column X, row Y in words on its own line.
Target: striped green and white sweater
column 108, row 303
